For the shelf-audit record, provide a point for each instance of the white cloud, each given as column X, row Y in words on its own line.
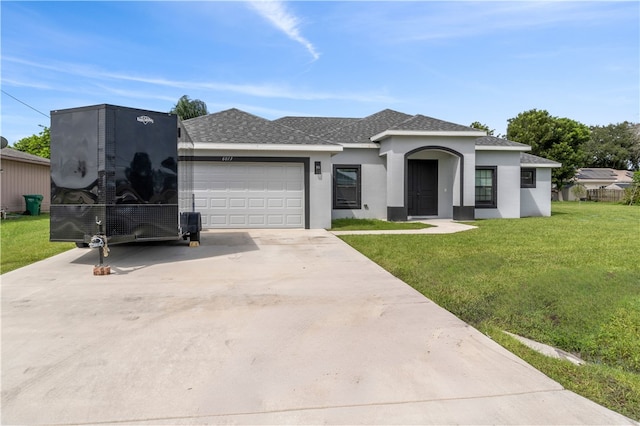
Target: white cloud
column 462, row 19
column 26, row 83
column 278, row 14
column 95, row 75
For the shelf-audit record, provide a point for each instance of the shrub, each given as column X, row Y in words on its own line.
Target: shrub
column 632, row 194
column 579, row 191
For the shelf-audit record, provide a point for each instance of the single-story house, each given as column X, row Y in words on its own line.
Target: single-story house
column 250, row 172
column 23, row 174
column 599, row 178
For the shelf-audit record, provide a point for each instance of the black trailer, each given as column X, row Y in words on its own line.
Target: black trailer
column 115, row 177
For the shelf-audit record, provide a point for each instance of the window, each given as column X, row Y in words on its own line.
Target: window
column 486, row 182
column 346, row 187
column 527, row 178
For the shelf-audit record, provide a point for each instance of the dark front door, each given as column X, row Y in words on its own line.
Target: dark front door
column 422, row 187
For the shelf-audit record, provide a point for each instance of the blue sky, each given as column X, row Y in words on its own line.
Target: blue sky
column 456, row 61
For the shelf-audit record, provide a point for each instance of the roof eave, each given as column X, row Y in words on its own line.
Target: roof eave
column 371, row 145
column 43, row 162
column 502, row 148
column 389, row 133
column 209, row 146
column 541, row 165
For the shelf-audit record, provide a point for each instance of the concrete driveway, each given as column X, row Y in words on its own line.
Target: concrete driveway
column 254, row 327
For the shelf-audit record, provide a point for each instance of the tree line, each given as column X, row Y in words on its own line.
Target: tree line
column 573, row 144
column 569, row 142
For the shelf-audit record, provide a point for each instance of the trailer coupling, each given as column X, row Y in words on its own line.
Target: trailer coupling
column 100, row 241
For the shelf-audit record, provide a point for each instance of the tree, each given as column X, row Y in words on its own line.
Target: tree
column 615, row 146
column 39, row 144
column 558, row 139
column 186, row 108
column 480, row 126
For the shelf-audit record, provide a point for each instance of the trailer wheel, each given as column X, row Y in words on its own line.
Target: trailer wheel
column 82, row 245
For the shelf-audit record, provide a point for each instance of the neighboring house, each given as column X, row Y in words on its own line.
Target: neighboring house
column 250, row 172
column 23, row 174
column 599, row 178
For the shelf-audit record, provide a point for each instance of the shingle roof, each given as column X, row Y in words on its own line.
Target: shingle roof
column 604, row 174
column 429, row 124
column 317, row 126
column 619, row 185
column 361, row 130
column 534, row 159
column 494, row 141
column 235, row 126
column 13, row 154
column 624, row 175
column 599, row 174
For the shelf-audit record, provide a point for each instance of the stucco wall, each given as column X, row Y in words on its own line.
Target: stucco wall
column 395, row 149
column 20, row 178
column 374, row 183
column 320, row 192
column 537, row 201
column 508, row 186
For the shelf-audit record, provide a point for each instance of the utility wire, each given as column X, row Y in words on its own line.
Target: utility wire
column 25, row 104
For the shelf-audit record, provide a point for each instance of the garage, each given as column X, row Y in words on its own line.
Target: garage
column 231, row 194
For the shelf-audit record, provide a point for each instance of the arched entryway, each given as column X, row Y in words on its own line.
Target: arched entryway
column 434, row 177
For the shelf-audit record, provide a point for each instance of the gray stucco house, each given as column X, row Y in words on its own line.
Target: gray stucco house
column 302, row 172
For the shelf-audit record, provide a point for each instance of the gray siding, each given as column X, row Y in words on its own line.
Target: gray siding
column 20, row 178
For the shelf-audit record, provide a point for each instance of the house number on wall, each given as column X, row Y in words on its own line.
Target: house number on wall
column 227, row 158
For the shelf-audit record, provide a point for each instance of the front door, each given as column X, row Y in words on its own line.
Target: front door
column 422, row 187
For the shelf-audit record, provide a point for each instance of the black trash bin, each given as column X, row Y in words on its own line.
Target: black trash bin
column 33, row 202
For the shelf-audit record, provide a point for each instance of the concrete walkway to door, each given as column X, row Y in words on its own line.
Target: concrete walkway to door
column 254, row 327
column 438, row 226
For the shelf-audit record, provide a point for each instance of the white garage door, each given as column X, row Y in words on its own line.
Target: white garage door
column 249, row 195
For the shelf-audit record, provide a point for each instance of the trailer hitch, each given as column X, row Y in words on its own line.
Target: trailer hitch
column 99, row 242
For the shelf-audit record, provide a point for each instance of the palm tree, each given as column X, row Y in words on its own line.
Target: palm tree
column 187, row 108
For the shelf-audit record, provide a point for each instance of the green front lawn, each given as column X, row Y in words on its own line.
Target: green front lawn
column 571, row 280
column 373, row 225
column 25, row 240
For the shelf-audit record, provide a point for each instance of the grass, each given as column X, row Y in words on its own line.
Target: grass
column 608, row 386
column 25, row 240
column 373, row 225
column 570, row 280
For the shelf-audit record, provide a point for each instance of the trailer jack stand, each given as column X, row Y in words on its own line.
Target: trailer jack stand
column 100, row 242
